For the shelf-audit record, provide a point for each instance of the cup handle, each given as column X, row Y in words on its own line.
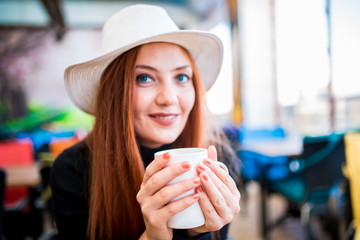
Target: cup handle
column 223, row 166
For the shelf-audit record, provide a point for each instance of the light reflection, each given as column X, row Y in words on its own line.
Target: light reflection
column 220, row 96
column 301, row 48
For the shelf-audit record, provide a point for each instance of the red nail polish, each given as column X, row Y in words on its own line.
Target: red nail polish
column 205, row 177
column 196, row 196
column 200, row 189
column 185, row 165
column 166, row 156
column 201, row 167
column 196, row 181
column 207, row 161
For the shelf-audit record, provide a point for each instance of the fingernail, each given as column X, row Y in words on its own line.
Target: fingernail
column 205, row 177
column 201, row 167
column 185, row 165
column 196, row 181
column 196, row 196
column 200, row 189
column 207, row 161
column 166, row 156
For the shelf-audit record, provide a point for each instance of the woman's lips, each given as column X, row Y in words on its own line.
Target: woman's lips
column 164, row 119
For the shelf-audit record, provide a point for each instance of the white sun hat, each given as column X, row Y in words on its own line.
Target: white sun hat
column 133, row 26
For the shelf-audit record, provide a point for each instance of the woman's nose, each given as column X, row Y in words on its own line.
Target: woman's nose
column 167, row 94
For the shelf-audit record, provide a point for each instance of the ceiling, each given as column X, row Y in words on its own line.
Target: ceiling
column 65, row 14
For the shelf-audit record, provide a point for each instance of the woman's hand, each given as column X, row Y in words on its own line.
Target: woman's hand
column 219, row 196
column 154, row 196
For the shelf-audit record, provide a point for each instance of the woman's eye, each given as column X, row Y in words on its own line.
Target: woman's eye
column 143, row 78
column 183, row 78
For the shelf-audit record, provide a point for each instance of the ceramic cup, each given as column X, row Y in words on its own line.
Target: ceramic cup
column 192, row 216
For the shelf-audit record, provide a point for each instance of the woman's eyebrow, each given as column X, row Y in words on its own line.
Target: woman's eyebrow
column 146, row 67
column 183, row 67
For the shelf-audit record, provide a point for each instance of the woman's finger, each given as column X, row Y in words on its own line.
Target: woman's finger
column 217, row 198
column 231, row 199
column 222, row 175
column 212, row 219
column 177, row 190
column 177, row 206
column 161, row 178
column 212, row 154
column 219, row 171
column 156, row 165
column 157, row 218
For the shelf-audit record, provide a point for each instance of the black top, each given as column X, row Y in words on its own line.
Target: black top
column 69, row 181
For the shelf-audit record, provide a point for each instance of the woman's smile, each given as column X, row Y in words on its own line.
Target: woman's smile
column 165, row 119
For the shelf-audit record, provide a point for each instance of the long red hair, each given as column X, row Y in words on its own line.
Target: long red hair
column 116, row 167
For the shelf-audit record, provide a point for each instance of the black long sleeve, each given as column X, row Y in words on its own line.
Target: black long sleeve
column 69, row 186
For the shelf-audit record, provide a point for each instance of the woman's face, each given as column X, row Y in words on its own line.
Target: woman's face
column 164, row 93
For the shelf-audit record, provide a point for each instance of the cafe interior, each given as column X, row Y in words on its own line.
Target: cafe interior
column 287, row 97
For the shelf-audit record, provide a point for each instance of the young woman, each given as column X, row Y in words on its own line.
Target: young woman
column 147, row 94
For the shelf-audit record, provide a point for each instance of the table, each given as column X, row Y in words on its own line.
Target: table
column 272, row 147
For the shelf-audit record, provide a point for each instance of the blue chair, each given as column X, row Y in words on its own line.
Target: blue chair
column 257, row 166
column 260, row 133
column 312, row 178
column 307, row 181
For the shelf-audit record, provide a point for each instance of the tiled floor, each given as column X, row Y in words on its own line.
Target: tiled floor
column 246, row 225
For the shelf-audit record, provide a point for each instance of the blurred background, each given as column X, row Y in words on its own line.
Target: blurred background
column 288, row 98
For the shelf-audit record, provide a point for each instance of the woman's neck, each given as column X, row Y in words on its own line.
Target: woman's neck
column 147, row 154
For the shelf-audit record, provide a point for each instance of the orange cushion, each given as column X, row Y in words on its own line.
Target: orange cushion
column 57, row 146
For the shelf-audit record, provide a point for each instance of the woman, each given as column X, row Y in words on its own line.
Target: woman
column 146, row 94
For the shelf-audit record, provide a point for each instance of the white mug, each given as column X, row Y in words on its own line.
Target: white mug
column 192, row 216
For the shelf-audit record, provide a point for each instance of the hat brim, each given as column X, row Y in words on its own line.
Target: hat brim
column 82, row 79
